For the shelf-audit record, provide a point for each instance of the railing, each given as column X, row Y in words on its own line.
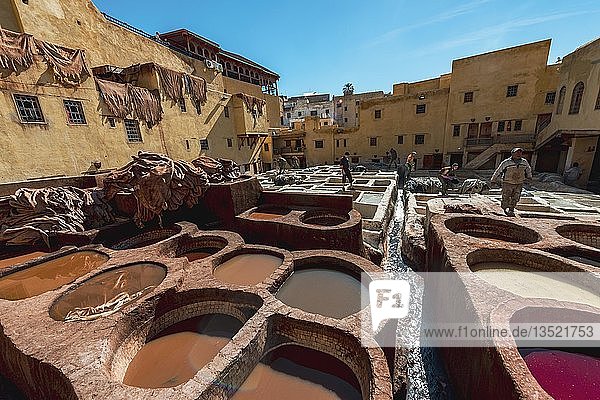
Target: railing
column 506, row 138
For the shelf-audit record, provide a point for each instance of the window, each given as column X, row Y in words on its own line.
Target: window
column 313, row 113
column 345, row 119
column 468, row 98
column 373, row 141
column 203, row 144
column 561, row 99
column 597, row 107
column 400, row 139
column 419, row 139
column 508, row 126
column 289, row 115
column 187, row 145
column 266, row 146
column 377, row 114
column 345, row 142
column 420, row 108
column 288, row 143
column 74, row 111
column 327, row 111
column 511, row 91
column 112, row 122
column 500, row 126
column 518, row 125
column 339, row 104
column 357, row 102
column 229, row 142
column 345, row 108
column 325, row 123
column 132, row 130
column 550, row 97
column 299, row 113
column 226, row 112
column 29, row 108
column 182, row 106
column 337, row 142
column 576, row 98
column 455, row 130
column 318, row 144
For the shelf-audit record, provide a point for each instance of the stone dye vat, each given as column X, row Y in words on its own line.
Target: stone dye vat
column 177, row 353
column 492, row 229
column 325, row 286
column 146, row 239
column 201, row 247
column 269, row 212
column 248, row 268
column 49, row 275
column 10, row 261
column 564, row 374
column 324, row 217
column 108, row 291
column 296, row 372
column 588, row 235
column 517, row 275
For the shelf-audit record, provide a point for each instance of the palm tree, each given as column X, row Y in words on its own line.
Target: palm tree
column 348, row 89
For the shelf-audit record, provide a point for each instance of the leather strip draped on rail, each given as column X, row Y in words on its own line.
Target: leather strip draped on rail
column 123, row 99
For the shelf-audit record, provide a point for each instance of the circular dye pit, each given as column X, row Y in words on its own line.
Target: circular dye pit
column 177, row 353
column 108, row 292
column 588, row 235
column 49, row 275
column 296, row 373
column 10, row 261
column 532, row 283
column 323, row 291
column 497, row 230
column 146, row 238
column 564, row 374
column 199, row 254
column 269, row 213
column 324, row 218
column 247, row 269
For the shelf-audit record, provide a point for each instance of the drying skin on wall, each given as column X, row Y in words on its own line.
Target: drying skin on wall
column 16, row 50
column 251, row 102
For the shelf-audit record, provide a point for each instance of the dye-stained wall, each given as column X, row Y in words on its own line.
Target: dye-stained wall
column 55, row 147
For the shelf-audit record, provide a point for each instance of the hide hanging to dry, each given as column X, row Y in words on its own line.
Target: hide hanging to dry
column 16, row 50
column 171, row 82
column 68, row 65
column 196, row 88
column 252, row 103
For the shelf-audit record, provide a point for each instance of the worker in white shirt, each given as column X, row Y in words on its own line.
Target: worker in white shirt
column 513, row 171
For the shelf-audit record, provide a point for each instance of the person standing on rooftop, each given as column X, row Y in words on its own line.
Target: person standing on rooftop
column 514, row 171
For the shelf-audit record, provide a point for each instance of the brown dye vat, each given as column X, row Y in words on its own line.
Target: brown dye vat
column 323, row 291
column 180, row 351
column 108, row 292
column 297, row 373
column 49, row 275
column 269, row 213
column 9, row 262
column 199, row 254
column 247, row 269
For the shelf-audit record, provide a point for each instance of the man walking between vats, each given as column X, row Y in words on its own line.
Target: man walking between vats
column 282, row 164
column 447, row 176
column 514, row 171
column 393, row 158
column 345, row 164
column 405, row 169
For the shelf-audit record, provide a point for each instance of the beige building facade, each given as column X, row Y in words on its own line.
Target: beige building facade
column 71, row 127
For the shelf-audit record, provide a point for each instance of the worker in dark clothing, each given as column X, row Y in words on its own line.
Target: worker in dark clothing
column 393, row 158
column 345, row 164
column 405, row 169
column 447, row 176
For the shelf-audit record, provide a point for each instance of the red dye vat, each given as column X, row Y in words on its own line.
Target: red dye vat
column 565, row 375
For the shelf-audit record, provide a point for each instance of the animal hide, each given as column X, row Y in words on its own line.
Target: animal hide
column 252, row 103
column 16, row 50
column 171, row 83
column 68, row 65
column 123, row 99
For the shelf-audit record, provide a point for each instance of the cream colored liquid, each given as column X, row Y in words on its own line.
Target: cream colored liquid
column 9, row 262
column 108, row 292
column 247, row 269
column 49, row 275
column 529, row 282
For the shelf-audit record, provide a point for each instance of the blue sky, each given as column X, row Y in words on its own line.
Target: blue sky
column 320, row 45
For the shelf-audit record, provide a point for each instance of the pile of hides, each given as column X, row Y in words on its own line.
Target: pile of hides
column 17, row 51
column 286, row 179
column 423, row 185
column 123, row 99
column 472, row 186
column 158, row 183
column 252, row 103
column 218, row 170
column 175, row 84
column 35, row 214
